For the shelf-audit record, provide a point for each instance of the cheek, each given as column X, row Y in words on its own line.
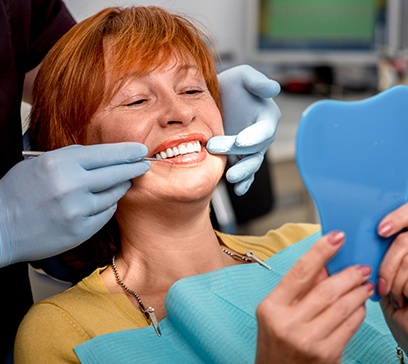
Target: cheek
column 219, row 165
column 92, row 136
column 97, row 132
column 113, row 132
column 215, row 121
column 112, row 126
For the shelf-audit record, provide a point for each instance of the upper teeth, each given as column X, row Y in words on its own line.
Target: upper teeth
column 184, row 148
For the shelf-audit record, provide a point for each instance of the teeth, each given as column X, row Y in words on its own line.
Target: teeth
column 185, row 148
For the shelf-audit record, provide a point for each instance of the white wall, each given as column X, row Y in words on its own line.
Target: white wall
column 225, row 19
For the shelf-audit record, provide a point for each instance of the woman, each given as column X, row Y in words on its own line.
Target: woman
column 142, row 74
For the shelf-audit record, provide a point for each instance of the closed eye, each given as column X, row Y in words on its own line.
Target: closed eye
column 193, row 92
column 136, row 102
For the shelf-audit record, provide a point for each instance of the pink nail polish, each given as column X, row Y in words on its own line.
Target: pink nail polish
column 365, row 270
column 336, row 238
column 382, row 286
column 385, row 229
column 369, row 286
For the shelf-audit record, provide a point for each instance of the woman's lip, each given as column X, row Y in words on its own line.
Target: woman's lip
column 180, row 139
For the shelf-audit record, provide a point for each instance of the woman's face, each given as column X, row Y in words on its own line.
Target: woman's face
column 171, row 111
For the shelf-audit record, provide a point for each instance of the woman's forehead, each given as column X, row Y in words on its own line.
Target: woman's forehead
column 135, row 67
column 119, row 77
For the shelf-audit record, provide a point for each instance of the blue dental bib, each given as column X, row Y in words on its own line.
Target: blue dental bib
column 211, row 319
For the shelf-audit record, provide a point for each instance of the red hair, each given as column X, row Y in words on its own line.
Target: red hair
column 74, row 82
column 74, row 79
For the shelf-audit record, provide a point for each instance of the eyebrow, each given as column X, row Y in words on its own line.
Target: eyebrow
column 187, row 67
column 180, row 69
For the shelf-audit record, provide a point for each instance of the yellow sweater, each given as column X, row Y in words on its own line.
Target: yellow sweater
column 52, row 327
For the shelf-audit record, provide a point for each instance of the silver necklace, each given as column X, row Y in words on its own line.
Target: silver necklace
column 149, row 312
column 249, row 257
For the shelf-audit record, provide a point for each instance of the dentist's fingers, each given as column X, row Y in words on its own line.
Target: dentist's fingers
column 258, row 84
column 242, row 187
column 102, row 155
column 222, row 144
column 108, row 177
column 263, row 129
column 226, row 144
column 244, row 168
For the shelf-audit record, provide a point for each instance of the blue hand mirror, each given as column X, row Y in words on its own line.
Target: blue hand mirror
column 353, row 159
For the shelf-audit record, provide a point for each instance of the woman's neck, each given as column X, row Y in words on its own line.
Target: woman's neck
column 158, row 251
column 162, row 246
column 189, row 238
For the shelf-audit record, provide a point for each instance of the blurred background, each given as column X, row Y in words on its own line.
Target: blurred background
column 316, row 49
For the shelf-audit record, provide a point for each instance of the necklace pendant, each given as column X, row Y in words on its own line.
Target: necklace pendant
column 400, row 354
column 149, row 312
column 258, row 260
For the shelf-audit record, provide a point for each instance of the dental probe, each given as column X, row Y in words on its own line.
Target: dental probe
column 32, row 153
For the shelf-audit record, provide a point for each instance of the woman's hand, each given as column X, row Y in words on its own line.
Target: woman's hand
column 393, row 274
column 310, row 317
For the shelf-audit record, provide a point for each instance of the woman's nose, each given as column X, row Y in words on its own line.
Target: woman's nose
column 176, row 111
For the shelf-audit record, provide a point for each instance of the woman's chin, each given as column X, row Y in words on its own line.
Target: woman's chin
column 179, row 183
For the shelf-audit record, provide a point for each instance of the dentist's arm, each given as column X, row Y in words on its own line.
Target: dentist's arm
column 250, row 121
column 53, row 202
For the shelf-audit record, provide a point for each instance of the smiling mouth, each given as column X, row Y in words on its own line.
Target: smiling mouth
column 181, row 149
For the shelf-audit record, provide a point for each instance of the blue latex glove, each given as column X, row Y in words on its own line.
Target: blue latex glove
column 250, row 121
column 53, row 202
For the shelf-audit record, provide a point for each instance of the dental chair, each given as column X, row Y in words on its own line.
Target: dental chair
column 44, row 285
column 259, row 199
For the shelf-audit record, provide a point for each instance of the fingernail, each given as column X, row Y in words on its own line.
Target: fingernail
column 365, row 270
column 336, row 238
column 385, row 229
column 369, row 287
column 382, row 286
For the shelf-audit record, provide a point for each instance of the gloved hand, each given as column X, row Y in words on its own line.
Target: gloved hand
column 250, row 121
column 53, row 202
